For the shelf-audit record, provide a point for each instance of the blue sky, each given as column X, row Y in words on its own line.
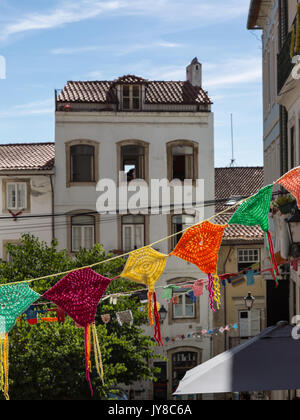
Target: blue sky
column 45, row 43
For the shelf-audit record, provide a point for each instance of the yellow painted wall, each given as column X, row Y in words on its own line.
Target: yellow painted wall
column 232, row 297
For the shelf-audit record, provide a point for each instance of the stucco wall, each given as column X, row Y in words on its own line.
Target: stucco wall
column 40, row 204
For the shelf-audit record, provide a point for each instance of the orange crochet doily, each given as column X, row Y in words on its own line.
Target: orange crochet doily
column 291, row 182
column 200, row 245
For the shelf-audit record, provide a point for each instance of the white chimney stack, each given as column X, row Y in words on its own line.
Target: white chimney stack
column 194, row 73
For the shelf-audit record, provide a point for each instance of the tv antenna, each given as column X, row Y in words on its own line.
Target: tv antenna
column 232, row 162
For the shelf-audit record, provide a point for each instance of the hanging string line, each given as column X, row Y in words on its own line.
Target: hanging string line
column 50, row 276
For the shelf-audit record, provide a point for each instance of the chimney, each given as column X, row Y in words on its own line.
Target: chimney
column 194, row 73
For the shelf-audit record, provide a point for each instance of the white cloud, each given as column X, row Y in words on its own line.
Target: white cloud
column 94, row 75
column 75, row 50
column 44, row 107
column 224, row 73
column 69, row 12
column 116, row 49
column 234, row 71
column 187, row 13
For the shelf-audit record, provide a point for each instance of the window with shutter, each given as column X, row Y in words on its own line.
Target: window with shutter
column 179, row 224
column 83, row 232
column 250, row 323
column 82, row 164
column 133, row 232
column 131, row 98
column 133, row 162
column 16, row 195
column 182, row 162
column 248, row 257
column 184, row 306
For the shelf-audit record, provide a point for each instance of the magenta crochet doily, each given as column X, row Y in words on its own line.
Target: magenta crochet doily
column 78, row 294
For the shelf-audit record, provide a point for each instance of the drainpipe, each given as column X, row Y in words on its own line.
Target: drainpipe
column 52, row 207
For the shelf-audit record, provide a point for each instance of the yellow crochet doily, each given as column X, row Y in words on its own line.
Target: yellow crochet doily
column 145, row 266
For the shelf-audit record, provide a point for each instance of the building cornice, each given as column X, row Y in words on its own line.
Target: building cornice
column 258, row 13
column 134, row 117
column 20, row 172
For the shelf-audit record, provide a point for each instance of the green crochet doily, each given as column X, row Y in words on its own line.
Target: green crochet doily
column 14, row 300
column 254, row 212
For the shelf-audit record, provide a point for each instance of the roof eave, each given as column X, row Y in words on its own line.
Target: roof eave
column 255, row 19
column 28, row 172
column 243, row 241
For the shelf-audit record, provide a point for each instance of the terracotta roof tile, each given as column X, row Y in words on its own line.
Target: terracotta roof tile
column 239, row 232
column 88, row 92
column 130, row 79
column 235, row 184
column 27, row 156
column 104, row 92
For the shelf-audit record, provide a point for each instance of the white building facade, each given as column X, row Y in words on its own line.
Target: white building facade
column 149, row 130
column 279, row 21
column 26, row 193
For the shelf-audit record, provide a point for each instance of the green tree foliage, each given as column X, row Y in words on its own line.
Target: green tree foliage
column 47, row 360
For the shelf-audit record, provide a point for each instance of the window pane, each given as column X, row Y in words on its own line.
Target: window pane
column 182, row 150
column 136, row 91
column 82, row 150
column 126, row 91
column 244, row 324
column 83, row 220
column 255, row 322
column 76, row 238
column 11, row 196
column 82, row 168
column 189, row 311
column 131, row 219
column 88, row 237
column 127, row 238
column 180, row 223
column 139, row 236
column 82, row 163
column 136, row 103
column 132, row 157
column 132, row 151
column 188, row 300
column 21, row 188
column 126, row 103
column 189, row 167
column 178, row 310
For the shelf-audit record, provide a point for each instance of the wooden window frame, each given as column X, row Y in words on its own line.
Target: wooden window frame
column 68, row 146
column 138, row 143
column 82, row 233
column 176, row 350
column 131, row 98
column 174, row 321
column 186, row 143
column 132, row 224
column 246, row 262
column 5, row 183
column 249, row 322
column 176, row 238
column 184, row 295
column 75, row 213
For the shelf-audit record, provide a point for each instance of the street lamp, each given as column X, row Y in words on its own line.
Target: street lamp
column 249, row 301
column 294, row 231
column 162, row 314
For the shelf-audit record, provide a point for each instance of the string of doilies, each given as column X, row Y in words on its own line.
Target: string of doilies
column 79, row 292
